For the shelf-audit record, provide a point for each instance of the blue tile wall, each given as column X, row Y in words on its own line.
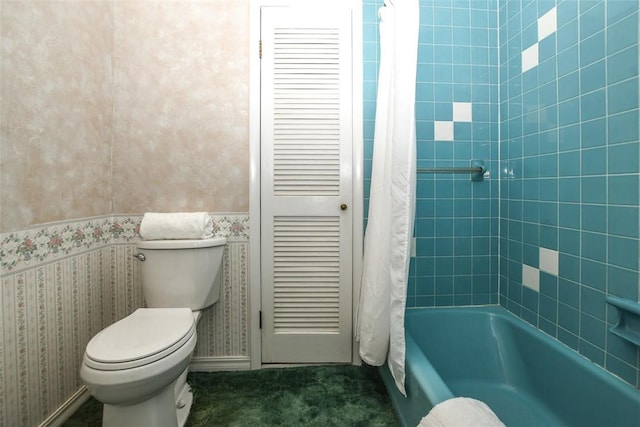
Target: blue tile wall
column 561, row 141
column 570, row 160
column 456, row 219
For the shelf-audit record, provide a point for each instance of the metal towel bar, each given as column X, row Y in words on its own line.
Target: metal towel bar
column 476, row 170
column 450, row 170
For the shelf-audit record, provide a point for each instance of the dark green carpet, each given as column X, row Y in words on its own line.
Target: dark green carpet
column 304, row 396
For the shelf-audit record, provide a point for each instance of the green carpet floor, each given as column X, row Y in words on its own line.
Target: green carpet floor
column 303, row 396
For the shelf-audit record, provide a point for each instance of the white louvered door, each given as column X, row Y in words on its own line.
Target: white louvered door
column 306, row 155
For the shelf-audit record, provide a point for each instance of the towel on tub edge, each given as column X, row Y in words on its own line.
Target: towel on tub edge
column 178, row 225
column 461, row 412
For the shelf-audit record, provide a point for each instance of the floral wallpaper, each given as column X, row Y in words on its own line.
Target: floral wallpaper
column 18, row 250
column 63, row 282
column 49, row 313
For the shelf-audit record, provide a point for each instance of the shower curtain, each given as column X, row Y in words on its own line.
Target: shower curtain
column 387, row 241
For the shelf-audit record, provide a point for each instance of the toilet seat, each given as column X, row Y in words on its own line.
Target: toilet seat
column 143, row 337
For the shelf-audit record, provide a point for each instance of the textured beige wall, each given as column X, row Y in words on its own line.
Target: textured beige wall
column 55, row 111
column 122, row 107
column 181, row 106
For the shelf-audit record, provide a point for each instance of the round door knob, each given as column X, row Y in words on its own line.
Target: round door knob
column 343, row 207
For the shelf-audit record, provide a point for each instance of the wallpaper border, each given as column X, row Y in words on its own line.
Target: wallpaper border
column 29, row 248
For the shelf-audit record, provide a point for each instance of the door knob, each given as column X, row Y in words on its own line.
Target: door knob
column 343, row 207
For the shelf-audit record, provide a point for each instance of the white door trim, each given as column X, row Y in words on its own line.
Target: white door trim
column 254, row 164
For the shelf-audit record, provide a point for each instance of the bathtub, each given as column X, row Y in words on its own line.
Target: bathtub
column 525, row 376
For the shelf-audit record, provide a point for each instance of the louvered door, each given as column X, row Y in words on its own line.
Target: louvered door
column 306, row 133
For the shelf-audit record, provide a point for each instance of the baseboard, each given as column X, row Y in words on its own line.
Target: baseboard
column 211, row 364
column 67, row 408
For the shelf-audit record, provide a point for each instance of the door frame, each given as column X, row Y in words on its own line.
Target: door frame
column 255, row 6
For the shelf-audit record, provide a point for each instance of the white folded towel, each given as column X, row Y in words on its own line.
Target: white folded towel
column 179, row 225
column 461, row 412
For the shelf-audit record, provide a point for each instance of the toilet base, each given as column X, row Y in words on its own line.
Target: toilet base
column 169, row 408
column 158, row 411
column 183, row 399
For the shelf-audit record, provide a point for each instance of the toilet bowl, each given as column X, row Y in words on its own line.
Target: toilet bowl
column 133, row 365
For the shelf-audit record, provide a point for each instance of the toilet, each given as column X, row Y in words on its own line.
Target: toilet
column 137, row 367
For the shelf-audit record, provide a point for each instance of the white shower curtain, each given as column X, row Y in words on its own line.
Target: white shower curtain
column 387, row 241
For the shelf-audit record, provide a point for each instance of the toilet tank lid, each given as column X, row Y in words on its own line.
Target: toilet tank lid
column 181, row 244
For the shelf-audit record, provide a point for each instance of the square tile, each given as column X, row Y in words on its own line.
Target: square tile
column 594, row 161
column 617, row 10
column 622, row 34
column 549, row 261
column 594, row 104
column 443, row 131
column 569, row 112
column 594, row 274
column 594, row 133
column 569, row 216
column 593, row 303
column 621, row 282
column 592, row 20
column 622, row 97
column 623, row 221
column 462, row 111
column 622, row 65
column 531, row 277
column 594, row 218
column 568, row 60
column 593, row 77
column 592, row 49
column 547, row 24
column 547, row 57
column 623, row 190
column 530, row 58
column 593, row 246
column 592, row 330
column 623, row 127
column 569, row 137
column 623, row 252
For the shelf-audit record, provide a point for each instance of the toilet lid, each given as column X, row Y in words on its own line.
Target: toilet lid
column 146, row 333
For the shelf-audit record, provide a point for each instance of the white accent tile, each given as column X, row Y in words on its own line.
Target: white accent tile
column 443, row 131
column 547, row 24
column 530, row 58
column 462, row 111
column 549, row 261
column 531, row 277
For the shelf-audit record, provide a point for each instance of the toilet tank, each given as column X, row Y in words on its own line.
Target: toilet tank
column 181, row 273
